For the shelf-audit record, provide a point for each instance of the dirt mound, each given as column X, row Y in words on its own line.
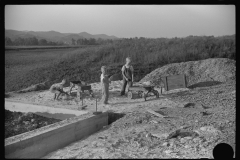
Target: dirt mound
column 36, row 87
column 214, row 69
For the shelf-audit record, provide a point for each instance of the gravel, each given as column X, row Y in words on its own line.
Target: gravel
column 209, row 70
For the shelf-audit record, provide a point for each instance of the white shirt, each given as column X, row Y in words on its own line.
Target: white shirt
column 102, row 76
column 58, row 85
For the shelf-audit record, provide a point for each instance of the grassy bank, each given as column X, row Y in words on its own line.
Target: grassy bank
column 26, row 67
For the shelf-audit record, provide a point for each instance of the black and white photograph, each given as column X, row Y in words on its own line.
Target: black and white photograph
column 104, row 81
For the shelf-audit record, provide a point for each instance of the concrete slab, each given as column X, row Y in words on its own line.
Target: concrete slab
column 49, row 112
column 37, row 144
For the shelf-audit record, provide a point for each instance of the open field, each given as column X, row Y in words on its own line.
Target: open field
column 19, row 64
column 26, row 67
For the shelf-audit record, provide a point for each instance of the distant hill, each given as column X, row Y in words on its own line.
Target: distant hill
column 54, row 36
column 96, row 36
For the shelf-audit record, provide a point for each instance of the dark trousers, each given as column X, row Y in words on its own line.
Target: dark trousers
column 125, row 83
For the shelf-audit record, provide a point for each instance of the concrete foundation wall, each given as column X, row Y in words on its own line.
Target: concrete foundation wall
column 40, row 145
column 45, row 111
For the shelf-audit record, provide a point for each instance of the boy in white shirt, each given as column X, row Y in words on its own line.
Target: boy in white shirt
column 104, row 85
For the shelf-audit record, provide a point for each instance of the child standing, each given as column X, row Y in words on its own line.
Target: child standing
column 127, row 72
column 105, row 85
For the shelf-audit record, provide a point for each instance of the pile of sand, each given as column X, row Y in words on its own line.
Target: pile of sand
column 36, row 87
column 213, row 69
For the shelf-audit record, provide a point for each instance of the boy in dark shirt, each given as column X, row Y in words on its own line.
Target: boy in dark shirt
column 127, row 72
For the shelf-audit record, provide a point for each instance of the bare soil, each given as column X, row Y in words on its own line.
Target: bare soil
column 197, row 119
column 17, row 122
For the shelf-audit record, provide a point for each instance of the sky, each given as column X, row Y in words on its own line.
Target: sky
column 125, row 21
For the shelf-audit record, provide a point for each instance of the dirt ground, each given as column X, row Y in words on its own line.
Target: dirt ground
column 195, row 121
column 17, row 122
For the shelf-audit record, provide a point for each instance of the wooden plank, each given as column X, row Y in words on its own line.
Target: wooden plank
column 176, row 81
column 164, row 79
column 167, row 83
column 185, row 81
column 155, row 113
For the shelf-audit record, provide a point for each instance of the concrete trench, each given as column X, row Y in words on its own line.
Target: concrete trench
column 75, row 125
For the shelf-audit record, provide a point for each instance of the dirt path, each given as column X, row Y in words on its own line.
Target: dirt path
column 74, row 103
column 196, row 121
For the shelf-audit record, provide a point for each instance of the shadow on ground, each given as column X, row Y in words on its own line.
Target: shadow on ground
column 7, row 95
column 112, row 117
column 205, row 84
column 181, row 93
column 135, row 102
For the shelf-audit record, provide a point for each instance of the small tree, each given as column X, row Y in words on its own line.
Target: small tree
column 73, row 41
column 43, row 42
column 8, row 41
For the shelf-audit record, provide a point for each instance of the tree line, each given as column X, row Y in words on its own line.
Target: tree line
column 90, row 41
column 33, row 41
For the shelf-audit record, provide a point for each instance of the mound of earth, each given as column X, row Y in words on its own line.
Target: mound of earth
column 36, row 87
column 214, row 69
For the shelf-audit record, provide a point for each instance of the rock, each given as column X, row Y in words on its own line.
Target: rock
column 196, row 140
column 160, row 135
column 148, row 135
column 187, row 146
column 26, row 122
column 154, row 121
column 210, row 129
column 168, row 151
column 19, row 118
column 183, row 140
column 171, row 143
column 188, row 105
column 188, row 138
column 165, row 144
